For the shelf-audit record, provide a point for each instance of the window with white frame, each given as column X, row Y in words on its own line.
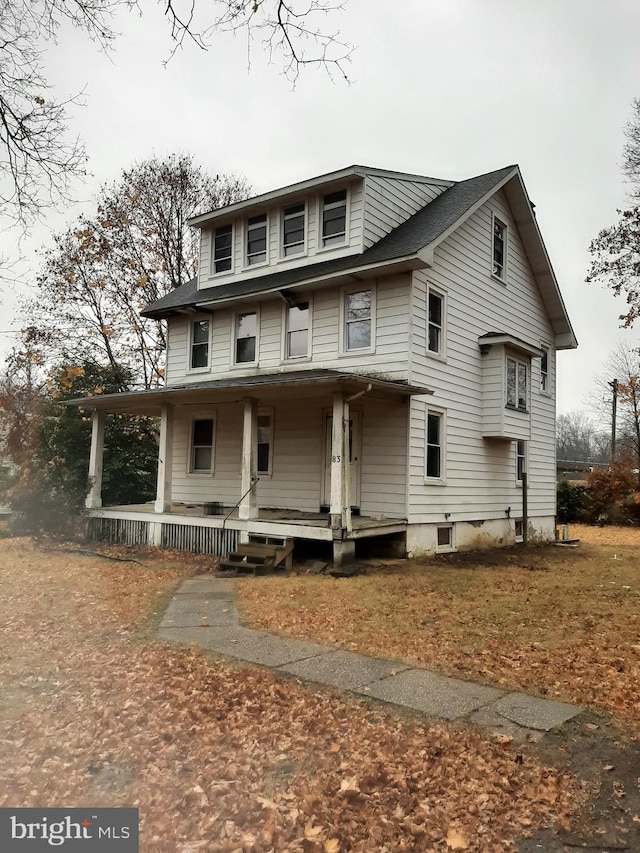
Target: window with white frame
column 334, row 218
column 499, row 248
column 246, row 337
column 202, row 445
column 444, row 538
column 257, row 239
column 435, row 322
column 293, row 230
column 223, row 248
column 544, row 370
column 519, row 529
column 357, row 313
column 200, row 344
column 297, row 331
column 521, row 459
column 434, row 446
column 516, row 392
column 264, row 452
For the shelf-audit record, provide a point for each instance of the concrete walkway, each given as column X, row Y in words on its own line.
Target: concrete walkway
column 203, row 611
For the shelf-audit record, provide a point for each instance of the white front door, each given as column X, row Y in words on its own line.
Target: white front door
column 354, row 459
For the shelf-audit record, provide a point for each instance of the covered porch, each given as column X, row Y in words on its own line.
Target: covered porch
column 329, row 466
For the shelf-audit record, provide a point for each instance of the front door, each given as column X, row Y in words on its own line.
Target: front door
column 354, row 459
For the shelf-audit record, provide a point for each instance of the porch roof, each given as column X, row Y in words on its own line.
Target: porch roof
column 298, row 384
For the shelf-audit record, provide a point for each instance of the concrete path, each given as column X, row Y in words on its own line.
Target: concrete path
column 203, row 611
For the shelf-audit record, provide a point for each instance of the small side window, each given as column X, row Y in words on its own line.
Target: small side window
column 265, row 443
column 544, row 370
column 435, row 322
column 499, row 249
column 521, row 459
column 434, row 446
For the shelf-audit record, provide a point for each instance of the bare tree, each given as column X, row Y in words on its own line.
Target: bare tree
column 631, row 151
column 623, row 367
column 104, row 269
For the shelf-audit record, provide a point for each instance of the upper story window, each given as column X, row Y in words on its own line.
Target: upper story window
column 435, row 322
column 434, row 445
column 516, row 384
column 199, row 344
column 358, row 320
column 293, row 230
column 223, row 248
column 499, row 249
column 544, row 370
column 246, row 337
column 334, row 218
column 257, row 239
column 297, row 333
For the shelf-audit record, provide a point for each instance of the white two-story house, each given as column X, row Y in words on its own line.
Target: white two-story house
column 363, row 354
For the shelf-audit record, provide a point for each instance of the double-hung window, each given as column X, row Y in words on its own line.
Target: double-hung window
column 358, row 306
column 222, row 248
column 257, row 239
column 435, row 322
column 499, row 249
column 544, row 371
column 246, row 337
column 521, row 459
column 516, row 397
column 293, row 230
column 334, row 218
column 297, row 334
column 199, row 344
column 265, row 442
column 434, row 445
column 202, row 445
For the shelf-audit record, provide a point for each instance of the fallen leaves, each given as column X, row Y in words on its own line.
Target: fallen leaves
column 226, row 759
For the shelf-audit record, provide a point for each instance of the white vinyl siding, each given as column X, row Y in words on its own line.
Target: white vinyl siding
column 480, row 472
column 390, row 201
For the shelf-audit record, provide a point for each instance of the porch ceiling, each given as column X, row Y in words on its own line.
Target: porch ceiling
column 267, row 386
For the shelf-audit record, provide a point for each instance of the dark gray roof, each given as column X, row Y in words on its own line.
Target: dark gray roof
column 417, row 232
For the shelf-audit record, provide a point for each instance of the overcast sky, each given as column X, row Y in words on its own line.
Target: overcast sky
column 449, row 89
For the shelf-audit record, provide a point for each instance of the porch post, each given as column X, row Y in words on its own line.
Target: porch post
column 248, row 507
column 165, row 460
column 94, row 498
column 336, row 508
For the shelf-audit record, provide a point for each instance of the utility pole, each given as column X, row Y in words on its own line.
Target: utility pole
column 614, row 406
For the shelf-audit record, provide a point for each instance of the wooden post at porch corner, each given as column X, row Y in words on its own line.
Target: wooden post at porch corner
column 165, row 460
column 248, row 506
column 96, row 457
column 336, row 508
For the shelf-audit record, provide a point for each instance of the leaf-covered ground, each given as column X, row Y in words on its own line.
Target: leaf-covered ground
column 557, row 622
column 220, row 757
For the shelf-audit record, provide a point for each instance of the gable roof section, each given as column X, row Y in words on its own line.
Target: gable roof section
column 412, row 242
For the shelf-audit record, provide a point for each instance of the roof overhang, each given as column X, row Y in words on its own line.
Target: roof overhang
column 267, row 387
column 509, row 342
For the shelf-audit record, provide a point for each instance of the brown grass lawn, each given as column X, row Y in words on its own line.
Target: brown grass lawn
column 551, row 621
column 218, row 757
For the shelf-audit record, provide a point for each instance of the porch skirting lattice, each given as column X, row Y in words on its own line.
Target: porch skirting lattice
column 179, row 537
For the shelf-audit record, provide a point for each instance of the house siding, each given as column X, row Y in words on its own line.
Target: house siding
column 480, row 472
column 389, row 201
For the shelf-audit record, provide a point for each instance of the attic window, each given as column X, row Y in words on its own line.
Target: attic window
column 334, row 218
column 257, row 239
column 499, row 248
column 293, row 230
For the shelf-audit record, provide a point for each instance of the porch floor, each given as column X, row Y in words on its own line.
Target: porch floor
column 287, row 516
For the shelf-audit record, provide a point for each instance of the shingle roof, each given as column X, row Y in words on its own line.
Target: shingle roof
column 417, row 232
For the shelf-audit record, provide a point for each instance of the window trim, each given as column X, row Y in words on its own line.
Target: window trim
column 285, row 357
column 519, row 536
column 264, row 412
column 527, row 366
column 344, row 293
column 451, row 545
column 545, row 378
column 441, row 479
column 524, row 456
column 245, row 242
column 442, row 295
column 304, row 250
column 205, row 368
column 234, row 338
column 501, row 277
column 347, row 216
column 199, row 472
column 213, row 270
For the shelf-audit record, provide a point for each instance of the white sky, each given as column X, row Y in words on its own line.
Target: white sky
column 450, row 89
